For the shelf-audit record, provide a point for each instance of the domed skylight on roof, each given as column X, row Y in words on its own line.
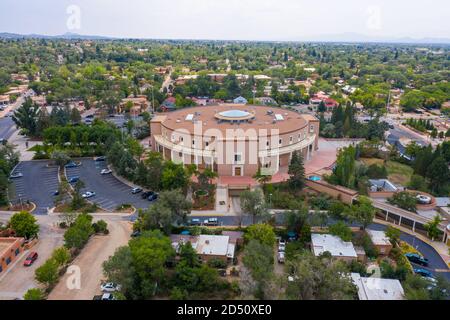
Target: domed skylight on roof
column 234, row 114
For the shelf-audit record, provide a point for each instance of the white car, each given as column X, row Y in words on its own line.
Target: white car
column 88, row 194
column 280, row 257
column 282, row 242
column 281, row 247
column 110, row 287
column 16, row 175
column 108, row 296
column 106, row 171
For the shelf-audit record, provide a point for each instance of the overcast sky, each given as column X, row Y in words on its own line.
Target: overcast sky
column 228, row 19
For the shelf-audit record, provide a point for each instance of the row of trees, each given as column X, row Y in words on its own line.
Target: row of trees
column 8, row 159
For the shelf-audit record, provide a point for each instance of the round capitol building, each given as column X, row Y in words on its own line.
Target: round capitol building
column 233, row 139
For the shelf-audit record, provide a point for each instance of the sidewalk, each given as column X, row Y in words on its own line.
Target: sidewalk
column 20, row 143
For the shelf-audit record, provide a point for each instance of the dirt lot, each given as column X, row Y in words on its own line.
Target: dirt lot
column 90, row 262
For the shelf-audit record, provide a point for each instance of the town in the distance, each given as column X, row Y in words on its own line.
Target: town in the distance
column 226, row 170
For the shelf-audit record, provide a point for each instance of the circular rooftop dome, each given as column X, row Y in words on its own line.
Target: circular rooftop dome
column 232, row 115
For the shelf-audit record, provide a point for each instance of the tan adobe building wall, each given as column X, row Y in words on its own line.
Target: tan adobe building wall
column 10, row 249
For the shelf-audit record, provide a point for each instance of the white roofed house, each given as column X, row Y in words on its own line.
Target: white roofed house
column 377, row 288
column 338, row 248
column 208, row 246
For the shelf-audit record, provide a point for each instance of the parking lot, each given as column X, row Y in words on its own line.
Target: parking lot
column 37, row 185
column 110, row 192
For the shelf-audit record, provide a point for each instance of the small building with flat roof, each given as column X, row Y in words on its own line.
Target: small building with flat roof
column 380, row 241
column 334, row 245
column 377, row 288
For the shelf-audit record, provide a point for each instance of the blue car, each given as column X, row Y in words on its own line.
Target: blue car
column 71, row 165
column 152, row 197
column 423, row 273
column 74, row 179
column 416, row 258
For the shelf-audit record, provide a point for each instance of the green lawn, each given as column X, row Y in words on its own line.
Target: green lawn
column 399, row 173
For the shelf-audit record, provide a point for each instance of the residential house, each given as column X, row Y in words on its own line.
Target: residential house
column 209, row 247
column 338, row 248
column 139, row 104
column 380, row 241
column 377, row 288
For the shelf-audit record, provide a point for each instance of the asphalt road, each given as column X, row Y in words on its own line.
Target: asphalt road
column 110, row 192
column 397, row 133
column 37, row 185
column 7, row 127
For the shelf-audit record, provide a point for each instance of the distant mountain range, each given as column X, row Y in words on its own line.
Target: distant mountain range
column 67, row 36
column 336, row 38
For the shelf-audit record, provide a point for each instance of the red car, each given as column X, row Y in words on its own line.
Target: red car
column 30, row 259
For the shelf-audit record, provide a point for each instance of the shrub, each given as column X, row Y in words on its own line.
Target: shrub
column 341, row 230
column 217, row 263
column 404, row 200
column 34, row 294
column 100, row 227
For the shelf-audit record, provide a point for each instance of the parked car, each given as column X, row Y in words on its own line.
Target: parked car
column 72, row 164
column 417, row 258
column 195, row 222
column 110, row 287
column 282, row 242
column 135, row 234
column 31, row 258
column 423, row 272
column 73, row 179
column 280, row 257
column 90, row 116
column 108, row 296
column 281, row 247
column 101, row 158
column 152, row 197
column 106, row 171
column 211, row 222
column 56, row 193
column 16, row 175
column 145, row 194
column 88, row 194
column 136, row 190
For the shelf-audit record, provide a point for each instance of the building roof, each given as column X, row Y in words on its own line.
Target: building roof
column 333, row 244
column 213, row 245
column 377, row 288
column 378, row 237
column 264, row 117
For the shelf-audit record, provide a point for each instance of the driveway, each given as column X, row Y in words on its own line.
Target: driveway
column 7, row 127
column 110, row 192
column 90, row 261
column 37, row 185
column 18, row 279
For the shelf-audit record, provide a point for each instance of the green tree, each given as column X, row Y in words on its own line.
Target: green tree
column 119, row 269
column 252, row 203
column 394, row 235
column 47, row 273
column 318, row 278
column 261, row 232
column 432, row 227
column 259, row 259
column 78, row 234
column 24, row 224
column 61, row 256
column 25, row 117
column 296, row 172
column 341, row 230
column 34, row 294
